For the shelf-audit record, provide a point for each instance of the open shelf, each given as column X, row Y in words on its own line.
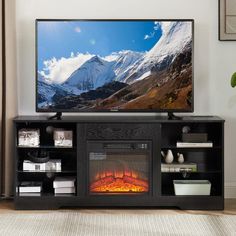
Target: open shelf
column 170, row 192
column 43, row 194
column 196, row 172
column 45, row 147
column 171, row 133
column 190, row 148
column 209, row 160
column 213, row 177
column 67, row 156
column 48, row 171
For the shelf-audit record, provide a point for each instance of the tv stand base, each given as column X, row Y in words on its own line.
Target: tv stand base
column 171, row 116
column 57, row 116
column 94, row 135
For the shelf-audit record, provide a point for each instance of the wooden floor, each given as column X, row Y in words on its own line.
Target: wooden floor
column 230, row 209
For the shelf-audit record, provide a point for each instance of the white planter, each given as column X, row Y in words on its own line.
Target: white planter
column 192, row 187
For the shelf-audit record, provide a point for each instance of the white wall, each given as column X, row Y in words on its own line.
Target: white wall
column 214, row 60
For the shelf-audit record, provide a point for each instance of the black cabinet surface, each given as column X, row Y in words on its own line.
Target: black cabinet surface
column 114, row 137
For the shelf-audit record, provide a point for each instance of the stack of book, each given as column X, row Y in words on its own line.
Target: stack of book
column 64, row 185
column 177, row 167
column 30, row 188
column 208, row 144
column 194, row 140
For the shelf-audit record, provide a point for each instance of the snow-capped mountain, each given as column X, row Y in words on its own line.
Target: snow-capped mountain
column 98, row 71
column 45, row 91
column 175, row 37
column 48, row 93
column 57, row 71
column 93, row 73
column 123, row 62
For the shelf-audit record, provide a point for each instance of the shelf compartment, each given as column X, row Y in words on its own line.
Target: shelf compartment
column 206, row 160
column 47, row 182
column 171, row 133
column 68, row 160
column 191, row 148
column 48, row 171
column 214, row 178
column 196, row 172
column 43, row 194
column 45, row 147
column 46, row 131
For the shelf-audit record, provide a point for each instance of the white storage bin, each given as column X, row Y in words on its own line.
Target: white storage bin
column 192, row 187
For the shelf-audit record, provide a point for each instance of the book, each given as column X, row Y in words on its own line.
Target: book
column 178, row 170
column 26, row 194
column 30, row 187
column 64, row 182
column 194, row 145
column 179, row 167
column 64, row 194
column 64, row 190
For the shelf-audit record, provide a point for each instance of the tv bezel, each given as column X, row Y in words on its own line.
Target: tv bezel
column 111, row 110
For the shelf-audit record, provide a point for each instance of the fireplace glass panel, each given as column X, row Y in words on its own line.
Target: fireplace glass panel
column 119, row 167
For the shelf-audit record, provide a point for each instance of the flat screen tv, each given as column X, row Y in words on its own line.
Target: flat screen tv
column 114, row 65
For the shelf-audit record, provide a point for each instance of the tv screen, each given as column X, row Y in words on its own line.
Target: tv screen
column 114, row 65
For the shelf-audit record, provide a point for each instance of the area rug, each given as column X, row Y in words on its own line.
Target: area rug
column 104, row 224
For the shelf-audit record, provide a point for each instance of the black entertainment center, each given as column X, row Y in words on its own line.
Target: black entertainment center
column 127, row 149
column 125, row 65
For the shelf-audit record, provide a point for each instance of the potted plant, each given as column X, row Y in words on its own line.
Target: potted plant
column 233, row 80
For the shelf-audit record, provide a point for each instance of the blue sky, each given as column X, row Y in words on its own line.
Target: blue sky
column 59, row 38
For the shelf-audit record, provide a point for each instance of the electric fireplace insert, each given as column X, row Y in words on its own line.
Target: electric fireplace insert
column 119, row 167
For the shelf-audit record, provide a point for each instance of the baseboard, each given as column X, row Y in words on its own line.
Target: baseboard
column 230, row 190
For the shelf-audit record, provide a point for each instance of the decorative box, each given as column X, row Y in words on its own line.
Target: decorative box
column 195, row 137
column 52, row 165
column 63, row 138
column 192, row 187
column 32, row 166
column 29, row 137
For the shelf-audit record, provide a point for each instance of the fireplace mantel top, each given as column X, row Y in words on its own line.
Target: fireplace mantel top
column 119, row 119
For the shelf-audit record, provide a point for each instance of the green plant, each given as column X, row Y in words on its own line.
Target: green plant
column 233, row 80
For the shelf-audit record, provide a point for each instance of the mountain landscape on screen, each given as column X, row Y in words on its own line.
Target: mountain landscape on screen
column 157, row 79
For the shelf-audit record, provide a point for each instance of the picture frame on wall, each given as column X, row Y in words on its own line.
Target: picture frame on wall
column 227, row 20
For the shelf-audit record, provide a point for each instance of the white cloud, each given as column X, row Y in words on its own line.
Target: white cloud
column 149, row 36
column 157, row 26
column 77, row 29
column 58, row 70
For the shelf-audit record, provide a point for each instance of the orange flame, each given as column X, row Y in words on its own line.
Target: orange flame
column 119, row 181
